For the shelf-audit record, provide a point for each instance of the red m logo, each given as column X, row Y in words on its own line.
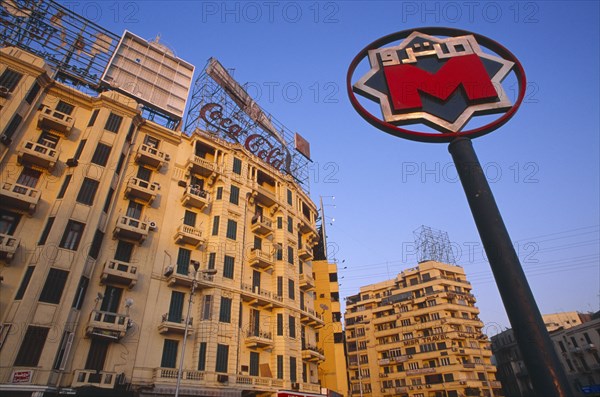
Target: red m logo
column 406, row 81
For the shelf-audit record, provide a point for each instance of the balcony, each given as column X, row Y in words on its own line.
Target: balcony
column 189, row 235
column 107, row 325
column 8, row 246
column 175, row 279
column 119, row 272
column 38, row 155
column 305, row 253
column 20, row 197
column 259, row 339
column 265, row 193
column 262, row 226
column 309, row 228
column 131, row 229
column 309, row 317
column 56, row 121
column 151, row 157
column 195, row 197
column 101, row 379
column 174, row 325
column 141, row 190
column 260, row 259
column 307, row 283
column 312, row 353
column 201, row 166
column 259, row 297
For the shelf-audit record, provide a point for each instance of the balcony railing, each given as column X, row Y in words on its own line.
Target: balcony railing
column 195, row 197
column 174, row 278
column 142, row 190
column 101, row 379
column 36, row 154
column 107, row 325
column 51, row 119
column 20, row 197
column 131, row 229
column 259, row 339
column 202, row 166
column 264, row 194
column 8, row 246
column 151, row 157
column 189, row 235
column 306, row 282
column 174, row 325
column 119, row 272
column 305, row 253
column 260, row 259
column 261, row 225
column 312, row 353
column 259, row 297
column 191, row 378
column 309, row 317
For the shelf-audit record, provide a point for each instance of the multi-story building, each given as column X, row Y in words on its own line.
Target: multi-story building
column 576, row 337
column 418, row 335
column 127, row 245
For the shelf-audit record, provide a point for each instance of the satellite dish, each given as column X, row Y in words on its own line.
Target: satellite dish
column 128, row 302
column 324, row 306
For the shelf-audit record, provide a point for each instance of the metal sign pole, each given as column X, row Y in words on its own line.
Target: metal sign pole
column 541, row 360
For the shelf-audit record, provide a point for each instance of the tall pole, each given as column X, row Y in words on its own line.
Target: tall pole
column 541, row 360
column 185, row 333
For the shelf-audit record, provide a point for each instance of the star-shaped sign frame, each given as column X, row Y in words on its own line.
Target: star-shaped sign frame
column 428, row 50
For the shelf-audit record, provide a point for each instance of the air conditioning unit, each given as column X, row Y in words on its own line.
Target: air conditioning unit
column 72, row 162
column 222, row 378
column 157, row 185
column 5, row 140
column 121, row 380
column 167, row 157
column 295, row 386
column 168, row 271
column 152, row 225
column 428, row 386
column 3, row 92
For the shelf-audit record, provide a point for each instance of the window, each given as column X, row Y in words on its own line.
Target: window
column 31, row 347
column 54, row 286
column 338, row 337
column 290, row 255
column 228, row 266
column 11, row 128
column 65, row 185
column 254, row 357
column 293, row 369
column 231, row 229
column 279, row 222
column 94, row 117
column 9, row 222
column 120, row 164
column 111, row 192
column 333, row 278
column 279, row 324
column 97, row 355
column 151, row 141
column 237, row 166
column 215, row 228
column 189, row 218
column 291, row 289
column 134, row 210
column 234, row 195
column 212, row 259
column 183, row 261
column 123, row 251
column 169, row 354
column 219, row 192
column 49, row 140
column 206, row 307
column 444, row 361
column 88, row 191
column 101, row 154
column 9, row 79
column 222, row 358
column 290, row 224
column 79, row 149
column 144, row 173
column 32, row 93
column 80, row 293
column 113, row 123
column 29, row 177
column 225, row 312
column 279, row 286
column 63, row 351
column 64, row 107
column 279, row 253
column 202, row 357
column 279, row 366
column 289, row 197
column 24, row 283
column 176, row 307
column 72, row 235
column 96, row 244
column 292, row 326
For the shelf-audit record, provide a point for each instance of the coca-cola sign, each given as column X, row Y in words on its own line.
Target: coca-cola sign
column 265, row 145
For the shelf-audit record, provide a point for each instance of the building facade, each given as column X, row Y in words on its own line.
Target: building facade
column 122, row 240
column 418, row 335
column 575, row 336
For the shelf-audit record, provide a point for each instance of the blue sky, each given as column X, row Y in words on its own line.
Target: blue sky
column 543, row 165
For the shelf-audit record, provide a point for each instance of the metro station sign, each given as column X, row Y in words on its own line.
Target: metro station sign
column 439, row 77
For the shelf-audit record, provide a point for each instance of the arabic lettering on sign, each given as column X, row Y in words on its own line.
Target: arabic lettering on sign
column 271, row 151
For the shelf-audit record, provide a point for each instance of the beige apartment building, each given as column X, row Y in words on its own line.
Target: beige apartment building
column 418, row 335
column 115, row 229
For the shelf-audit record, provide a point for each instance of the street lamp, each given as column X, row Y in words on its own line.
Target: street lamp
column 196, row 266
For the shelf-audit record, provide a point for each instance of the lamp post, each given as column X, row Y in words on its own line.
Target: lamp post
column 196, row 266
